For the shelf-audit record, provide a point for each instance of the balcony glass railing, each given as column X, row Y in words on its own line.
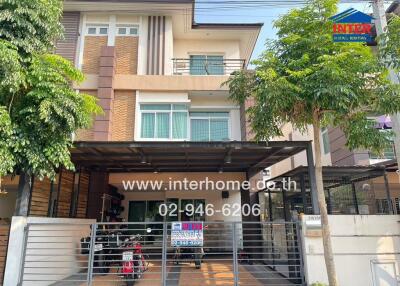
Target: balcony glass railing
column 210, row 65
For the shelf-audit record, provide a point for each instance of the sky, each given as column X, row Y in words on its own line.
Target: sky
column 260, row 15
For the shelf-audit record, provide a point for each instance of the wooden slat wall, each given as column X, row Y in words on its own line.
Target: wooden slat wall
column 83, row 190
column 66, row 187
column 4, row 232
column 67, row 46
column 40, row 197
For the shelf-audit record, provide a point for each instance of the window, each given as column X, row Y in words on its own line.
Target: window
column 325, row 140
column 96, row 30
column 206, row 65
column 388, row 152
column 209, row 126
column 127, row 30
column 164, row 121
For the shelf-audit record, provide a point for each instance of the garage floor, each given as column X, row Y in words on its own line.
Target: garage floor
column 212, row 273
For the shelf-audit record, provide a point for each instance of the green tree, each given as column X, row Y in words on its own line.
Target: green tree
column 306, row 79
column 389, row 44
column 39, row 109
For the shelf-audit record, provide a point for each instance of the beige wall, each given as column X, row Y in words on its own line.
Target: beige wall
column 301, row 158
column 359, row 243
column 211, row 196
column 185, row 48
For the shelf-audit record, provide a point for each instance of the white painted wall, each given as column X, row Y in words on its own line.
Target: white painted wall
column 228, row 48
column 359, row 242
column 72, row 230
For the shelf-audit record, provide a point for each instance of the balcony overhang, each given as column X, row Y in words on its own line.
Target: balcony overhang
column 161, row 82
column 117, row 157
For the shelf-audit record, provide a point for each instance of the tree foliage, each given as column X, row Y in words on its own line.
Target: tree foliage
column 304, row 72
column 39, row 109
column 389, row 44
column 306, row 79
column 32, row 26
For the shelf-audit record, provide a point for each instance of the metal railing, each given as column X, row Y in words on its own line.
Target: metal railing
column 207, row 66
column 233, row 253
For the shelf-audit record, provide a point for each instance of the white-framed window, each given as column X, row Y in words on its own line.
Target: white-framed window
column 209, row 126
column 127, row 30
column 97, row 30
column 164, row 121
column 325, row 140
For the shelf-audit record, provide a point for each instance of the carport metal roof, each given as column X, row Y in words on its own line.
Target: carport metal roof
column 334, row 176
column 183, row 156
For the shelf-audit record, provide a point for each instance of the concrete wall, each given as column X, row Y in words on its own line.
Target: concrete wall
column 39, row 254
column 365, row 248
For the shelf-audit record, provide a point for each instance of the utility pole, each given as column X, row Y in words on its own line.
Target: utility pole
column 380, row 25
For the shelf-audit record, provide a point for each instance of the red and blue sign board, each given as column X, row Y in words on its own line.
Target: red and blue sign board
column 186, row 234
column 352, row 26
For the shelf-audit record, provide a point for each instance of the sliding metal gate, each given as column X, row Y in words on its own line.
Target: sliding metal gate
column 234, row 253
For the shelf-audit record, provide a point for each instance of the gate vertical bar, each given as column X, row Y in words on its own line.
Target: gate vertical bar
column 164, row 254
column 235, row 256
column 300, row 250
column 23, row 255
column 91, row 254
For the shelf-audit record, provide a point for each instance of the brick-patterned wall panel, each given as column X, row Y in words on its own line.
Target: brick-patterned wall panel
column 40, row 197
column 86, row 134
column 123, row 115
column 127, row 54
column 66, row 47
column 66, row 187
column 91, row 53
column 83, row 189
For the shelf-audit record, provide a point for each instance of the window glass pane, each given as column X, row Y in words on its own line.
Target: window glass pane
column 162, row 125
column 121, row 31
column 215, row 65
column 179, row 125
column 155, row 107
column 133, row 31
column 148, row 121
column 197, row 65
column 219, row 130
column 179, row 107
column 199, row 130
column 103, row 31
column 91, row 30
column 325, row 140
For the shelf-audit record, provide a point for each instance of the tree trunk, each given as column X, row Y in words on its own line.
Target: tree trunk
column 326, row 233
column 23, row 195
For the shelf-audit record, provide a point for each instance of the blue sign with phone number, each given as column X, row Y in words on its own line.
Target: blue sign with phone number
column 187, row 234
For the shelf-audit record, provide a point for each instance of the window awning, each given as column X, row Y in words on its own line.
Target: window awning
column 183, row 156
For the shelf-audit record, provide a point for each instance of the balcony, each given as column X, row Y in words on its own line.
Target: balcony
column 207, row 65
